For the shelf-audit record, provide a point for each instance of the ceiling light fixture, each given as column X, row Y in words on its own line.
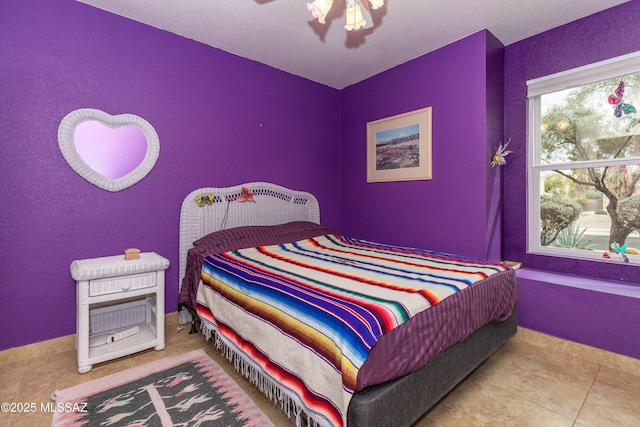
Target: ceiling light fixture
column 357, row 15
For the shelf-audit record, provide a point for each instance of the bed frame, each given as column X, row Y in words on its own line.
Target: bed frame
column 395, row 403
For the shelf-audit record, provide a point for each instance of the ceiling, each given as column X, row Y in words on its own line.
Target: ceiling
column 284, row 35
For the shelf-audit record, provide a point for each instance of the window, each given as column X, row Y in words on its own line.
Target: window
column 584, row 161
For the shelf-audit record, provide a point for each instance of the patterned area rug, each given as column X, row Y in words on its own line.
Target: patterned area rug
column 188, row 390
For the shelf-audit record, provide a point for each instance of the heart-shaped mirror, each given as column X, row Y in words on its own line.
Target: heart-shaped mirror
column 111, row 152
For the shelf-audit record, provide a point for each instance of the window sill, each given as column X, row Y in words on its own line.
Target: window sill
column 582, row 282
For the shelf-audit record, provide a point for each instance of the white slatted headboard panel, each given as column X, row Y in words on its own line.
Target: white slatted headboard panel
column 273, row 205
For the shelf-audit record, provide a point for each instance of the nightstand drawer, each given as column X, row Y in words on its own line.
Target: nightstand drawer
column 122, row 284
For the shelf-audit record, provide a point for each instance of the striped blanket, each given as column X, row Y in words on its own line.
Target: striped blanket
column 309, row 312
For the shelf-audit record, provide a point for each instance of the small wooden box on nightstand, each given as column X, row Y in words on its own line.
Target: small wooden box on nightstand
column 120, row 306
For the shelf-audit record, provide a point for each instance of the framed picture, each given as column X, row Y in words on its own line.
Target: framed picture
column 399, row 147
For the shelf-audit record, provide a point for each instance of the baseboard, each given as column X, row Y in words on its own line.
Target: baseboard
column 612, row 360
column 60, row 344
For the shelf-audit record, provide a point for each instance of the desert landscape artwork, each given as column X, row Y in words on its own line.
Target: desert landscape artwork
column 398, row 148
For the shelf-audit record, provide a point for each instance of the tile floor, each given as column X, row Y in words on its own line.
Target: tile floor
column 532, row 380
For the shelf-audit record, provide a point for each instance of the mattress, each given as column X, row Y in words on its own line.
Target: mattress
column 325, row 315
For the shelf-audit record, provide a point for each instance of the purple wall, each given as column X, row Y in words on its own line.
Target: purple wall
column 595, row 312
column 455, row 210
column 222, row 120
column 598, row 318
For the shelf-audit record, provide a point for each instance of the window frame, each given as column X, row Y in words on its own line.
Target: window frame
column 610, row 68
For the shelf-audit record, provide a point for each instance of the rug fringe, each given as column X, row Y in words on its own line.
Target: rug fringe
column 290, row 404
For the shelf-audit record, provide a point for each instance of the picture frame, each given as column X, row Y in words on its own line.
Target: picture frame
column 399, row 147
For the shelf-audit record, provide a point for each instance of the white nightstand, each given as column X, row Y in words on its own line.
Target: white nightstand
column 116, row 295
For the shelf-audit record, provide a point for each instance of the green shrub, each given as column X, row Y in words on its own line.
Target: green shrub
column 555, row 216
column 572, row 237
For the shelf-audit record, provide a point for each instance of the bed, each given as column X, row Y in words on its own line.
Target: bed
column 237, row 245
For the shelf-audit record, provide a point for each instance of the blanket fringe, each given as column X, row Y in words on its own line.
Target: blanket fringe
column 290, row 405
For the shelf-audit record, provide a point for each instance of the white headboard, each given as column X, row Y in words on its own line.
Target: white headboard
column 273, row 205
